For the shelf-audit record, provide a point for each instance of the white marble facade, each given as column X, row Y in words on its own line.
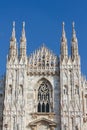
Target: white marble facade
column 44, row 91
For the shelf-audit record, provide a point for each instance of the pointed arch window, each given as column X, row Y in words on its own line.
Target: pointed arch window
column 39, row 107
column 43, row 107
column 44, row 98
column 47, row 107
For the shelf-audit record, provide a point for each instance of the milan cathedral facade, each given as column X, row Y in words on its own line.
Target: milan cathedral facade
column 44, row 91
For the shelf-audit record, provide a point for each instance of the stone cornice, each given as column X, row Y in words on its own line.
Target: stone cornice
column 50, row 115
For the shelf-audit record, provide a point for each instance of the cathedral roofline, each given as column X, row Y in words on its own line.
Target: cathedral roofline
column 43, row 46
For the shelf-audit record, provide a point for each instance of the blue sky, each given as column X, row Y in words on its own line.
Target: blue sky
column 43, row 20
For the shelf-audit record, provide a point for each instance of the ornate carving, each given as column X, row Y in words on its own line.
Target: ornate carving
column 43, row 62
column 37, row 114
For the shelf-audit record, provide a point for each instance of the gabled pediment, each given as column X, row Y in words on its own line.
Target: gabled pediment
column 43, row 120
column 42, row 51
column 43, row 61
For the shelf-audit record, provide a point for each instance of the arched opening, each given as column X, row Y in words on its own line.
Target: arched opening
column 43, row 107
column 39, row 107
column 44, row 96
column 47, row 107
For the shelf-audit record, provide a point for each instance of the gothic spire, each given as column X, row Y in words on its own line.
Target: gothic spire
column 23, row 42
column 64, row 48
column 74, row 46
column 13, row 44
column 13, row 38
column 63, row 33
column 74, row 38
column 23, row 37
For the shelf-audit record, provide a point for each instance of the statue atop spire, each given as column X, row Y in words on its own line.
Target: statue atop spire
column 64, row 47
column 23, row 37
column 63, row 33
column 13, row 38
column 63, row 29
column 13, row 45
column 74, row 46
column 23, row 42
column 74, row 38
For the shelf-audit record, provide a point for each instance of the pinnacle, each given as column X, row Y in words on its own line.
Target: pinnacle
column 73, row 24
column 63, row 24
column 63, row 32
column 13, row 33
column 74, row 38
column 23, row 24
column 23, row 37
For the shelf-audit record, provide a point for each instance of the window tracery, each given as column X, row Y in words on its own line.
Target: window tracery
column 44, row 98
